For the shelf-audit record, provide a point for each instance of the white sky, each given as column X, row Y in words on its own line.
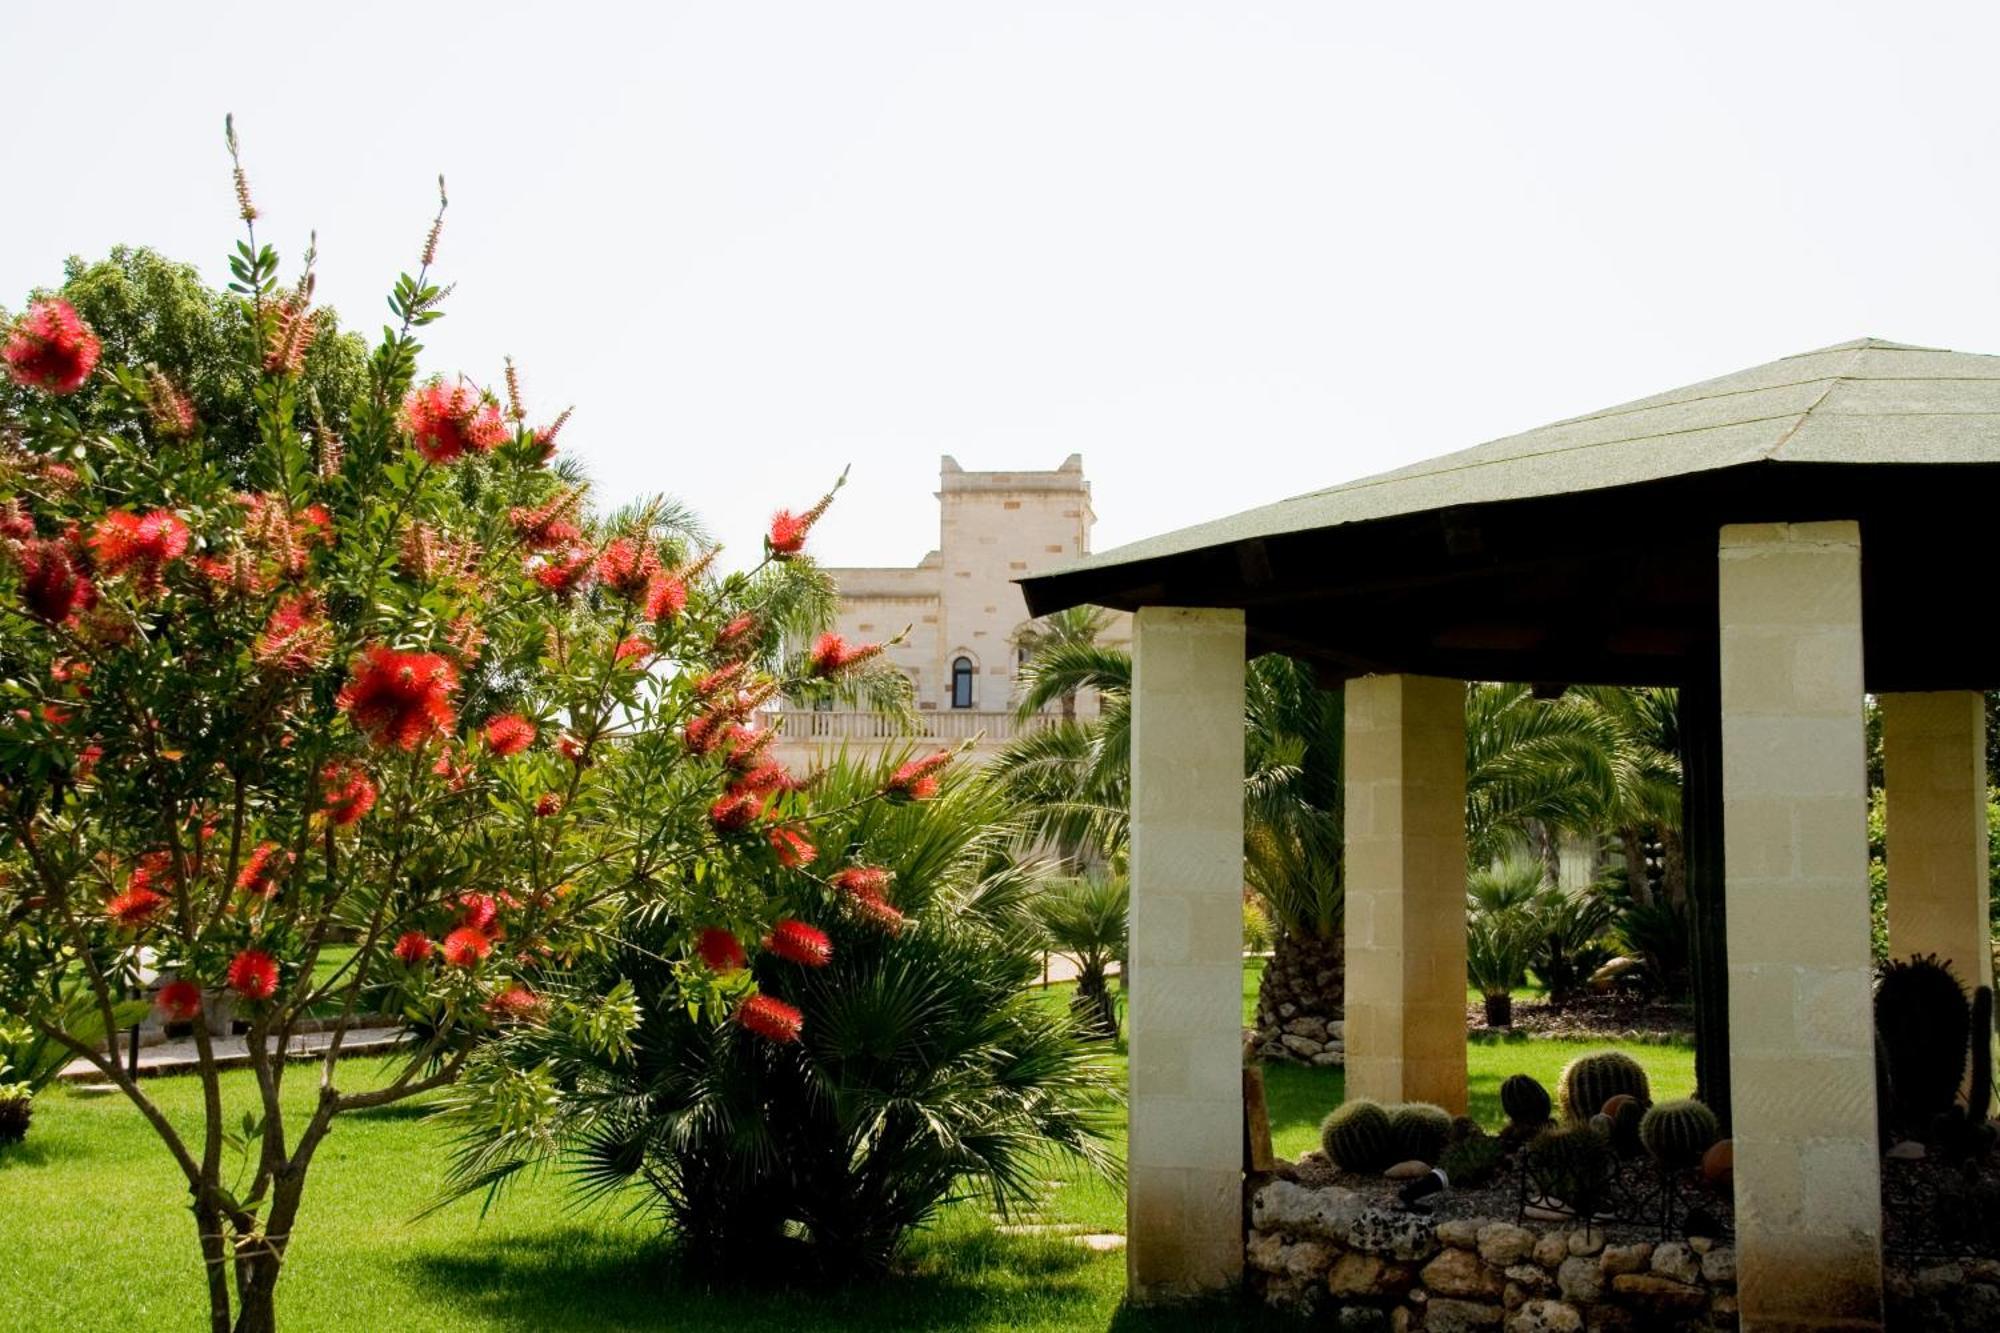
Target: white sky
column 1227, row 251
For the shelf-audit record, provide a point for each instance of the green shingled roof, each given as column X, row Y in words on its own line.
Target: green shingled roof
column 1866, row 401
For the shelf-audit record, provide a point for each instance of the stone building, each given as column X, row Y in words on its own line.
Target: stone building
column 962, row 611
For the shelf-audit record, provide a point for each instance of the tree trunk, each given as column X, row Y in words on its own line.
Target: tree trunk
column 215, row 1258
column 1302, row 983
column 257, row 1310
column 1500, row 1010
column 1094, row 1005
column 1673, row 866
column 1638, row 877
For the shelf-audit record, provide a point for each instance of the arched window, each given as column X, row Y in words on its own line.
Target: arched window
column 961, row 682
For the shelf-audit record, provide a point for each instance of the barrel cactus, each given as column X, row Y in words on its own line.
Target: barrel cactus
column 1471, row 1162
column 1526, row 1103
column 1589, row 1081
column 1419, row 1131
column 1626, row 1114
column 1923, row 1017
column 1676, row 1134
column 1357, row 1136
column 1573, row 1163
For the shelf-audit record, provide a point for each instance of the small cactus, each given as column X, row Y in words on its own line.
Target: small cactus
column 1471, row 1162
column 1574, row 1164
column 1626, row 1116
column 1676, row 1134
column 1525, row 1101
column 1357, row 1137
column 1591, row 1080
column 1924, row 1018
column 1419, row 1131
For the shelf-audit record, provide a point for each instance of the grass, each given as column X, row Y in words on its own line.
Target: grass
column 97, row 1233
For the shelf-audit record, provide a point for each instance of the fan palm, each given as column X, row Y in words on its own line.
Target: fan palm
column 928, row 1068
column 1085, row 920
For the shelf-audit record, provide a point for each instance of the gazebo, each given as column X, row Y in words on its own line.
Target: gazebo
column 1775, row 543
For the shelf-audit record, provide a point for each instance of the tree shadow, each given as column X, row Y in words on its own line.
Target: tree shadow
column 580, row 1278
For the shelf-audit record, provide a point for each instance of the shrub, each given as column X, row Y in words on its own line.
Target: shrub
column 1471, row 1162
column 1357, row 1136
column 17, row 1108
column 927, row 1068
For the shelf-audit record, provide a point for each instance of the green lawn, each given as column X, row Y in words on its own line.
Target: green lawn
column 97, row 1235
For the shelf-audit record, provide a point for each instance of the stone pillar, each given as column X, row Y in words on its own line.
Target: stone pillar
column 1184, row 1166
column 1934, row 784
column 1795, row 834
column 1405, row 871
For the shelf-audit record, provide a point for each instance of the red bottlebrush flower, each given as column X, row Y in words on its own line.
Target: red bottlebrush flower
column 832, row 654
column 253, row 974
column 878, row 912
column 178, row 1001
column 736, row 812
column 871, row 880
column 16, row 524
column 770, row 1018
column 144, row 542
column 627, row 567
column 738, row 637
column 509, row 734
column 800, row 943
column 794, row 849
column 562, row 572
column 767, row 779
column 516, row 1003
column 633, row 649
column 701, row 733
column 788, row 530
column 478, row 911
column 543, row 438
column 916, row 780
column 170, row 409
column 465, row 636
column 318, row 523
column 718, row 680
column 413, row 948
column 401, row 699
column 449, row 421
column 466, row 947
column 719, row 950
column 51, row 348
column 134, row 907
column 666, row 596
column 86, row 761
column 545, row 526
column 264, row 868
column 53, row 584
column 743, row 750
column 293, row 328
column 349, row 794
column 547, row 804
column 295, row 639
column 572, row 748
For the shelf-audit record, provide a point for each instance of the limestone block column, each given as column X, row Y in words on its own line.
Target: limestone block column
column 1405, row 871
column 1184, row 1182
column 1795, row 837
column 1934, row 786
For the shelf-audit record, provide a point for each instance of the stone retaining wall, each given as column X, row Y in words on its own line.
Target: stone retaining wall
column 1327, row 1251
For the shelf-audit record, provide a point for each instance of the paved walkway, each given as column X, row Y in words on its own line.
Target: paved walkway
column 180, row 1057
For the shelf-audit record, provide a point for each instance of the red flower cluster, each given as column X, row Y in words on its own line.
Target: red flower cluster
column 719, row 950
column 53, row 584
column 516, row 1002
column 264, row 869
column 736, row 811
column 509, row 734
column 478, row 911
column 916, row 780
column 145, row 543
column 794, row 849
column 867, row 890
column 449, row 421
column 633, row 649
column 466, row 947
column 562, row 572
column 548, row 805
column 627, row 567
column 253, row 974
column 545, row 526
column 134, row 907
column 770, row 1018
column 170, row 409
column 833, row 654
column 349, row 794
column 51, row 348
column 739, row 637
column 178, row 1001
column 788, row 530
column 413, row 947
column 666, row 596
column 295, row 639
column 400, row 699
column 800, row 943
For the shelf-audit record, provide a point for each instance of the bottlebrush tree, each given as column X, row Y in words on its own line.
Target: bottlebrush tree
column 303, row 724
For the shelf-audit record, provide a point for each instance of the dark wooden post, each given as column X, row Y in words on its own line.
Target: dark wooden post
column 1701, row 824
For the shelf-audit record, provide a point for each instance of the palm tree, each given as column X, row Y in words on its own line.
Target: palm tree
column 1085, row 919
column 1078, row 626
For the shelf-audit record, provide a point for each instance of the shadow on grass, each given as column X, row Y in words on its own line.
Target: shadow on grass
column 579, row 1278
column 1237, row 1311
